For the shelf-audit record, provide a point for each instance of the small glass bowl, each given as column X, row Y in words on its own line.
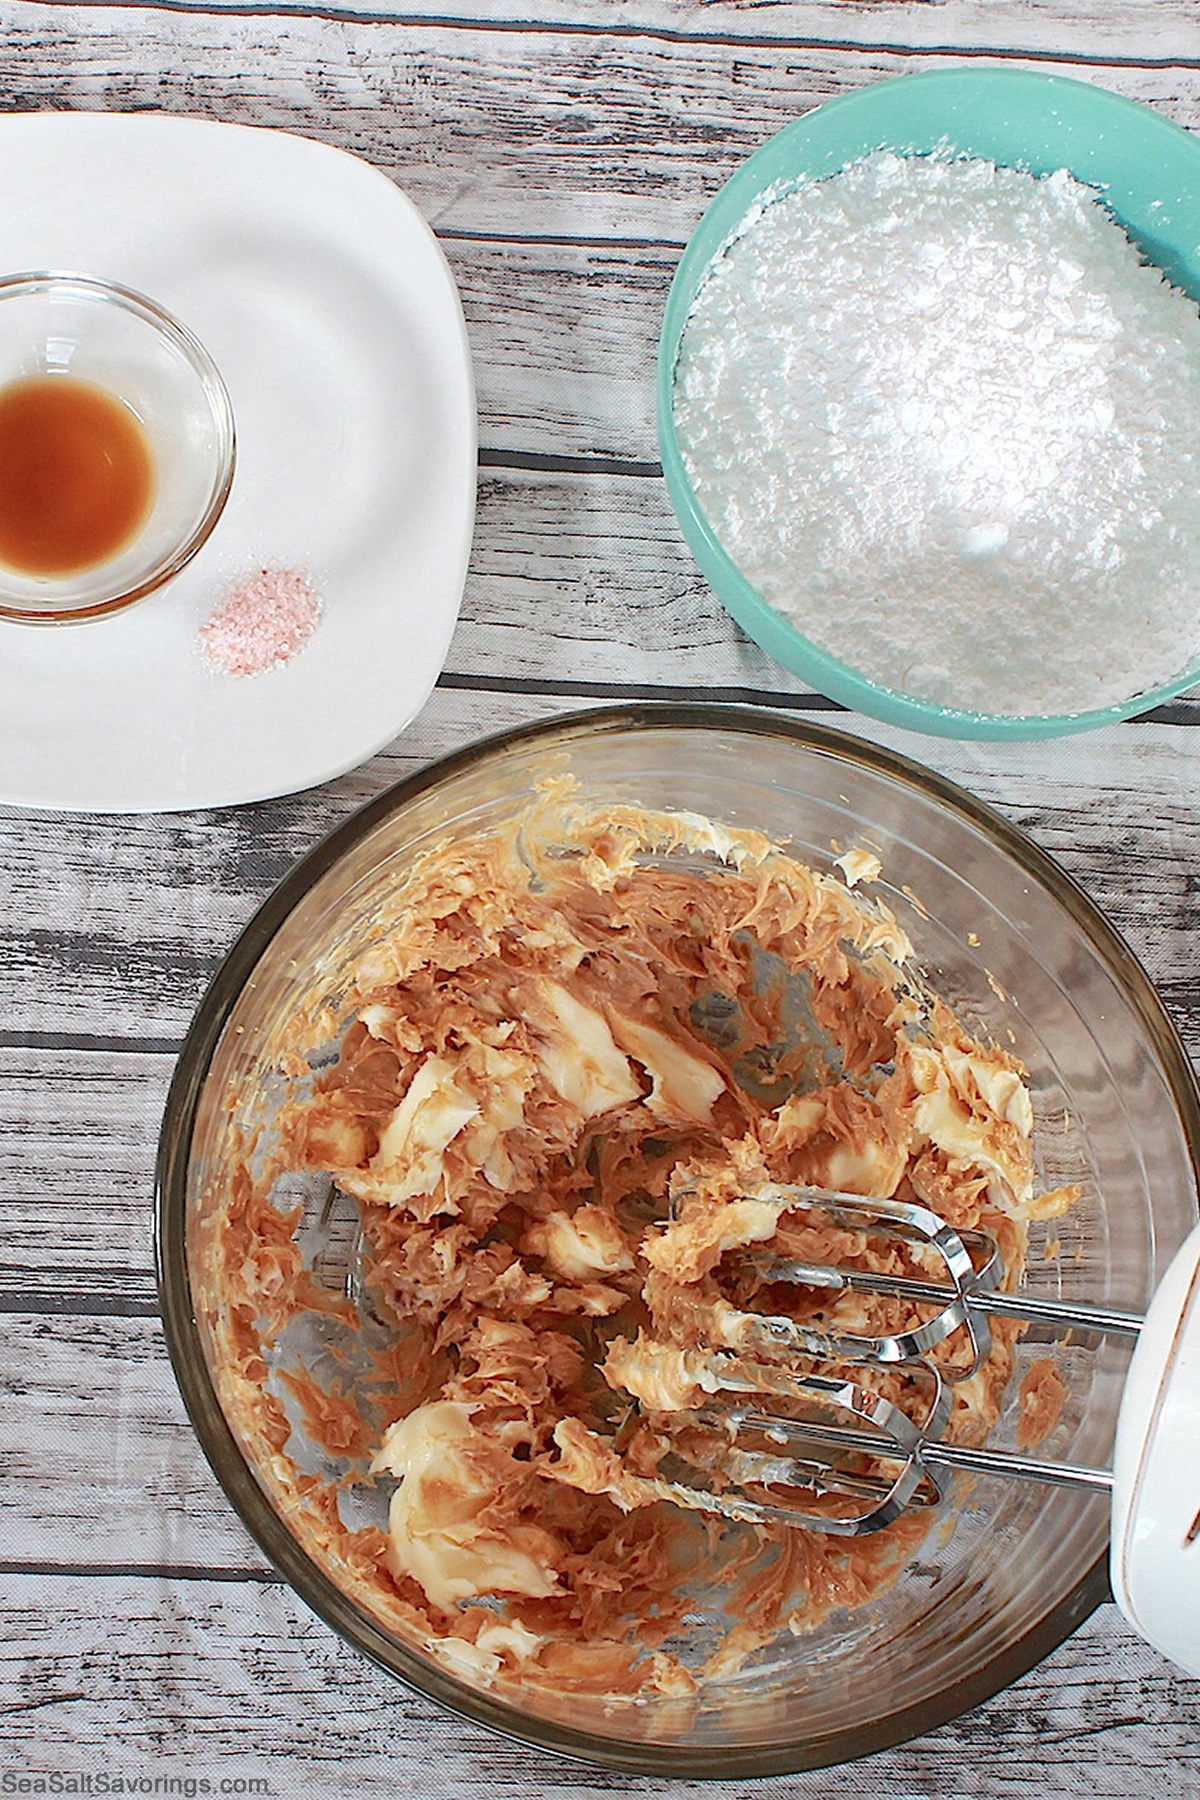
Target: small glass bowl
column 112, row 338
column 1144, row 166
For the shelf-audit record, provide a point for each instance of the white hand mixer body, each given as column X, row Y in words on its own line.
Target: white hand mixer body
column 1154, row 1560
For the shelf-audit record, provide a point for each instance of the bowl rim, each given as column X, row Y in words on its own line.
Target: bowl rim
column 318, row 1591
column 1105, row 112
column 99, row 288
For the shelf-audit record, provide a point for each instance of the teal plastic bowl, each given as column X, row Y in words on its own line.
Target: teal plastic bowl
column 1148, row 172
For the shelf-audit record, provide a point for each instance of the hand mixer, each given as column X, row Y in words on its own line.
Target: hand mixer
column 754, row 1461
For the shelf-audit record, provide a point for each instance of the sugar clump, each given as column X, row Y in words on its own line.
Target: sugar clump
column 947, row 422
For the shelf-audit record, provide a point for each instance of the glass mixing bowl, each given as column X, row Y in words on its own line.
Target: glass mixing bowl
column 1008, row 1570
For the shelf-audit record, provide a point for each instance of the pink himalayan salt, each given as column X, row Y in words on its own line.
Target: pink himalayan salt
column 262, row 622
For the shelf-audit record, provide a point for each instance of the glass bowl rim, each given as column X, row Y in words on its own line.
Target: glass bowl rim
column 721, row 217
column 318, row 1591
column 100, row 289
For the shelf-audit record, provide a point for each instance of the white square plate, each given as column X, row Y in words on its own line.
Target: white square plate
column 334, row 318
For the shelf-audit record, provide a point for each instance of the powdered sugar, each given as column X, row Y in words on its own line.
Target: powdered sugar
column 261, row 622
column 945, row 420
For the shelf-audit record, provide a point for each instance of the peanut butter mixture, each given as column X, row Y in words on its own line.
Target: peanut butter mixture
column 583, row 1055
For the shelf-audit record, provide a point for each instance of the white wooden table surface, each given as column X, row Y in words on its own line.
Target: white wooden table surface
column 563, row 151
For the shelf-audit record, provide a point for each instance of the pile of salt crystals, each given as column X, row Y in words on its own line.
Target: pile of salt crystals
column 261, row 623
column 947, row 422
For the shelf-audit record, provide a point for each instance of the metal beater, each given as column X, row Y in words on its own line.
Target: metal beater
column 861, row 1459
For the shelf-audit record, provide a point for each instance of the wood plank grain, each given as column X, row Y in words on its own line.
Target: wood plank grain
column 602, row 135
column 101, row 1465
column 1131, row 30
column 564, row 341
column 163, row 1679
column 78, row 1132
